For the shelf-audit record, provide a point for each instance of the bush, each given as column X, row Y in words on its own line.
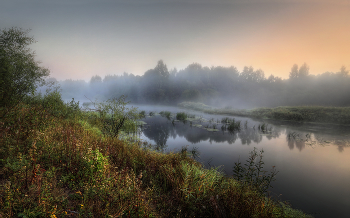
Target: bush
column 181, row 116
column 113, row 115
column 253, row 175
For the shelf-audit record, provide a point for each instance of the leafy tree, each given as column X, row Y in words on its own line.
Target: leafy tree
column 20, row 72
column 96, row 80
column 248, row 74
column 294, row 73
column 304, row 71
column 343, row 72
column 157, row 80
column 114, row 115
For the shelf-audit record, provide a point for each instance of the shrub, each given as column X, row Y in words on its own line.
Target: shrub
column 253, row 175
column 181, row 116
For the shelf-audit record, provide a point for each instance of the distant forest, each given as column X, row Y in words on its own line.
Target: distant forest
column 217, row 86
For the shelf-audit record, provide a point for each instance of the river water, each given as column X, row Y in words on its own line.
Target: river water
column 313, row 160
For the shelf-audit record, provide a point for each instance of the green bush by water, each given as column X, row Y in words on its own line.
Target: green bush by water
column 181, row 116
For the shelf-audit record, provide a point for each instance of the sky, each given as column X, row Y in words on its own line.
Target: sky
column 77, row 39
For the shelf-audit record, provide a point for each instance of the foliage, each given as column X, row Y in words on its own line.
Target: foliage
column 142, row 114
column 166, row 114
column 53, row 103
column 254, row 175
column 181, row 116
column 232, row 126
column 113, row 115
column 20, row 72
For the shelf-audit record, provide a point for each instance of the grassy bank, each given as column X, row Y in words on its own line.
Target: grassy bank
column 319, row 114
column 57, row 161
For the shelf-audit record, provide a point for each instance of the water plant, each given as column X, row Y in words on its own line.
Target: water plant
column 225, row 120
column 142, row 114
column 191, row 116
column 234, row 126
column 166, row 114
column 151, row 114
column 181, row 116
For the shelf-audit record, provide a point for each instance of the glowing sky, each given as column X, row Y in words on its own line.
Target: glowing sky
column 81, row 38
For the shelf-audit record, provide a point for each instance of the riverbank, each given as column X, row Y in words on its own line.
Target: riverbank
column 55, row 162
column 316, row 114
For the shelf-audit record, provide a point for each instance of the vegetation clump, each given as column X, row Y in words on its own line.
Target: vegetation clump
column 233, row 126
column 166, row 114
column 181, row 116
column 142, row 114
column 253, row 174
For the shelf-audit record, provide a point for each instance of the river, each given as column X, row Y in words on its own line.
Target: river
column 313, row 160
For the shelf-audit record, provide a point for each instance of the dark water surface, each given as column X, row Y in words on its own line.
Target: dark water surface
column 313, row 161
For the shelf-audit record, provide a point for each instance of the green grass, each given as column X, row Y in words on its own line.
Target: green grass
column 54, row 165
column 317, row 114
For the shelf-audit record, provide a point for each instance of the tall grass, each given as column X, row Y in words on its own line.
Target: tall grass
column 55, row 164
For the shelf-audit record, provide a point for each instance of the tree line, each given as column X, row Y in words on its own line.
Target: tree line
column 223, row 86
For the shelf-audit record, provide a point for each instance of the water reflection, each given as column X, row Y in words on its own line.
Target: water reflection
column 159, row 129
column 313, row 159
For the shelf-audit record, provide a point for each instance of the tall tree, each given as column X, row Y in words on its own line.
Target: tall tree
column 304, row 71
column 20, row 72
column 294, row 73
column 343, row 72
